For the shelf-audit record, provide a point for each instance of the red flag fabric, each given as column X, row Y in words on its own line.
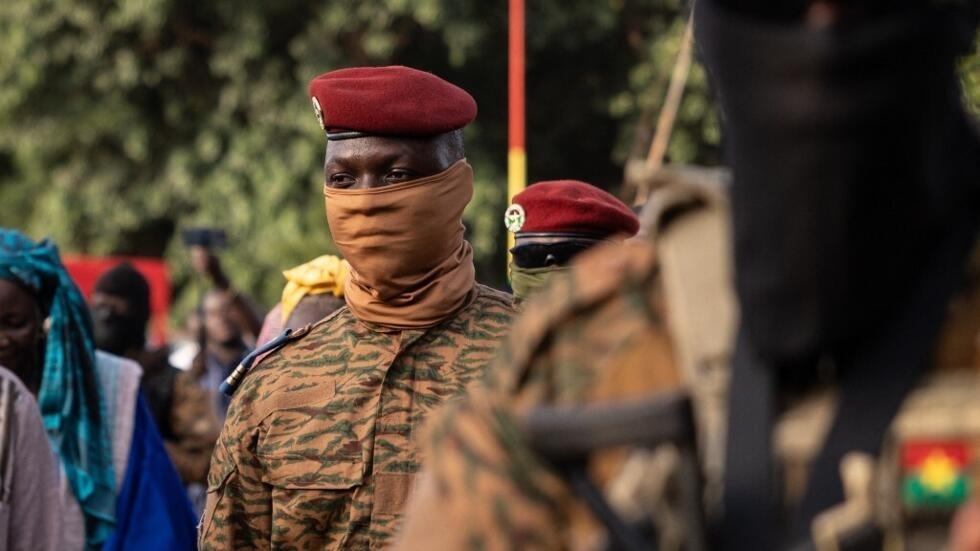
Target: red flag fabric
column 85, row 270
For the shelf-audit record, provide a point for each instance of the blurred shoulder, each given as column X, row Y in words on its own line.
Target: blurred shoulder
column 601, row 274
column 488, row 297
column 588, row 316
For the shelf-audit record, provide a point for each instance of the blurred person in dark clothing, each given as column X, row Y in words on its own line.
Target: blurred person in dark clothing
column 120, row 307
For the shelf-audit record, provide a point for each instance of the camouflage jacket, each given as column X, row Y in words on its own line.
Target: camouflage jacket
column 318, row 448
column 597, row 333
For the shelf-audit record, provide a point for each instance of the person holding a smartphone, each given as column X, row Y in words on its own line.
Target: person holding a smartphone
column 229, row 321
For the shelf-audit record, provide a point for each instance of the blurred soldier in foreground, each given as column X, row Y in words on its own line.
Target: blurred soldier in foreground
column 603, row 331
column 854, row 205
column 318, row 449
column 553, row 222
column 854, row 208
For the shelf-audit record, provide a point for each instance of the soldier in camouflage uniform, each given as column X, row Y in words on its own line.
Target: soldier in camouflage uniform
column 318, row 450
column 616, row 327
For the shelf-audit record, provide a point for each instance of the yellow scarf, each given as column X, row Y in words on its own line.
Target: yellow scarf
column 323, row 274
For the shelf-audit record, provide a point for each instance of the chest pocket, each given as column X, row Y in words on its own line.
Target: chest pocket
column 314, row 498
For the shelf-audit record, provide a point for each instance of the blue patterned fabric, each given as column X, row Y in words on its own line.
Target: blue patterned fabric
column 77, row 427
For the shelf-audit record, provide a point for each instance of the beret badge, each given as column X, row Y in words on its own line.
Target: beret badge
column 318, row 113
column 514, row 218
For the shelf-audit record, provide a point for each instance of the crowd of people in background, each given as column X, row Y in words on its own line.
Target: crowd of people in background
column 132, row 433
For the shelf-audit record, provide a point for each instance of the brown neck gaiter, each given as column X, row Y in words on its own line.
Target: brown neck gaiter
column 410, row 266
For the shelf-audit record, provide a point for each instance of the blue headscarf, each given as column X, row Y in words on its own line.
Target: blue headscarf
column 77, row 429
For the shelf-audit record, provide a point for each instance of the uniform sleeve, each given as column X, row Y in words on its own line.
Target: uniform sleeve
column 195, row 429
column 238, row 509
column 474, row 449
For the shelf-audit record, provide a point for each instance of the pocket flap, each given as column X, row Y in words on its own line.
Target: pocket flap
column 324, row 472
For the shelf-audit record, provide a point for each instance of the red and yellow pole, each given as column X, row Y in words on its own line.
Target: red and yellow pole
column 516, row 156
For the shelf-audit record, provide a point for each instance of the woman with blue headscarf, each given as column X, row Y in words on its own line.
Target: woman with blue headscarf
column 121, row 492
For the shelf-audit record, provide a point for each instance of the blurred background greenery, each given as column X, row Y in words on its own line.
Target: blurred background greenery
column 124, row 121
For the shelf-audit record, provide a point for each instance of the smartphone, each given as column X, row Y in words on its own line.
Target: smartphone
column 211, row 238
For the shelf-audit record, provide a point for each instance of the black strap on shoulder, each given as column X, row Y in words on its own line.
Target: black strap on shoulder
column 749, row 488
column 230, row 385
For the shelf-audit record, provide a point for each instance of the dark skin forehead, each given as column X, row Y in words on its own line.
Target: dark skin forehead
column 376, row 161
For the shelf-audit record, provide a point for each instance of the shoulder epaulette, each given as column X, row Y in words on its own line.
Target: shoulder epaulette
column 231, row 383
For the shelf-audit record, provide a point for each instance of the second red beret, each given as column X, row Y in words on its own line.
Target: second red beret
column 388, row 101
column 572, row 207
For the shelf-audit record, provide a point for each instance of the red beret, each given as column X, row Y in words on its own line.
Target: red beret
column 569, row 206
column 388, row 101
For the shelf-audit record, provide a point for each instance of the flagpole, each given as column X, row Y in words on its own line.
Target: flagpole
column 516, row 155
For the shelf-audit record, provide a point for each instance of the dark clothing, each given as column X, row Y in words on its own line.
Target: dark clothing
column 854, row 206
column 158, row 387
column 182, row 412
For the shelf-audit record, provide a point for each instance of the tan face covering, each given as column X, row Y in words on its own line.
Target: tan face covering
column 410, row 266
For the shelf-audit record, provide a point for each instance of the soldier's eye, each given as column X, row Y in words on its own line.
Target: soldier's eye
column 340, row 180
column 397, row 175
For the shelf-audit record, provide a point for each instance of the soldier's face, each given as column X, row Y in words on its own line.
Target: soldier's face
column 20, row 330
column 374, row 161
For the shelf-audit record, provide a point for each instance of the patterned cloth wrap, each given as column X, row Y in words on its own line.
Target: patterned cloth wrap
column 78, row 433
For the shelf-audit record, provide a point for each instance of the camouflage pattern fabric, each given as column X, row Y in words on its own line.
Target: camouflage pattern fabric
column 318, row 448
column 194, row 428
column 597, row 333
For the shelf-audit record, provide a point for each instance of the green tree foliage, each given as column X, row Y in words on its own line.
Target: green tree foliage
column 123, row 121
